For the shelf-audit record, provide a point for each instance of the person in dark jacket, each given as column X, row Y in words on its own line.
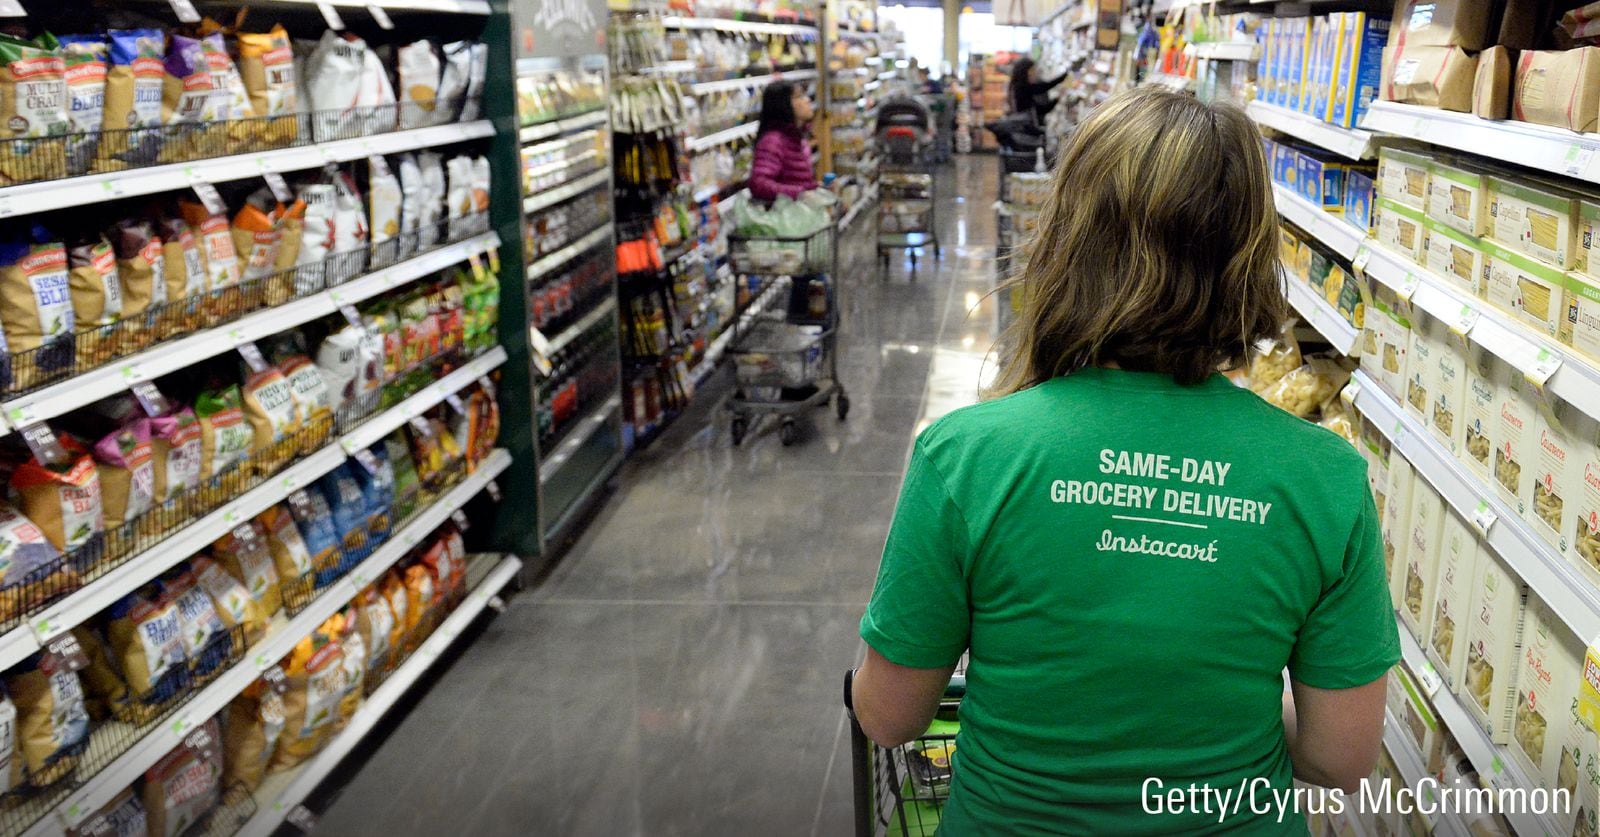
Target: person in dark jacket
column 782, row 161
column 1028, row 94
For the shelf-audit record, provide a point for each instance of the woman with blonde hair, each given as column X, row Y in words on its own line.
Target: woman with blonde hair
column 1129, row 549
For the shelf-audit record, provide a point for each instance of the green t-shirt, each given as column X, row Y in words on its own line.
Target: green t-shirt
column 1132, row 564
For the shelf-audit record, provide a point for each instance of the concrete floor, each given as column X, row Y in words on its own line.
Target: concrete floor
column 679, row 672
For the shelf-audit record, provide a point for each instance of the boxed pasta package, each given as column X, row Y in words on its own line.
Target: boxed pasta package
column 1446, row 645
column 1400, row 229
column 1514, row 437
column 1562, row 434
column 1427, row 341
column 1403, row 178
column 1418, row 717
column 1494, row 645
column 1536, row 220
column 1389, row 322
column 1587, row 260
column 1415, row 578
column 1458, row 197
column 1582, row 497
column 1580, row 321
column 1454, row 255
column 1396, row 525
column 1481, row 411
column 1531, row 291
column 1447, row 411
column 1542, row 739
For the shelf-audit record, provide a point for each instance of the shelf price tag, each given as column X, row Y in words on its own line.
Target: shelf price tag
column 273, row 676
column 1576, row 161
column 331, row 15
column 301, row 817
column 477, row 266
column 488, row 385
column 1350, row 393
column 541, row 363
column 279, row 187
column 460, row 517
column 351, row 316
column 1428, row 678
column 42, row 441
column 380, row 17
column 1483, row 517
column 252, row 356
column 1358, row 265
column 1464, row 320
column 494, row 259
column 1408, row 286
column 367, row 460
column 208, row 195
column 185, row 11
column 456, row 404
column 63, row 653
column 493, row 489
column 151, row 399
column 1544, row 365
column 538, row 341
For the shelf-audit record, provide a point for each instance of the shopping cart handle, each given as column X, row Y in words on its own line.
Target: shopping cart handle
column 957, row 687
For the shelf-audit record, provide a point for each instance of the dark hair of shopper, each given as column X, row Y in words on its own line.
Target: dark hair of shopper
column 1021, row 98
column 1156, row 249
column 777, row 107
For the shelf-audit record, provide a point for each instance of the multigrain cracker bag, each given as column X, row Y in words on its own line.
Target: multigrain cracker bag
column 63, row 498
column 312, row 397
column 274, row 418
column 177, row 448
column 254, row 721
column 206, row 642
column 266, row 61
column 225, row 436
column 186, row 94
column 135, row 79
column 106, row 691
column 417, row 66
column 33, row 108
column 183, row 268
column 36, row 307
column 141, row 268
column 185, row 785
column 96, row 299
column 233, row 603
column 230, row 101
column 125, row 459
column 84, row 58
column 290, row 554
column 24, row 556
column 51, row 719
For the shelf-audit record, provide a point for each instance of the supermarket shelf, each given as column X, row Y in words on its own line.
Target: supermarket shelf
column 299, row 784
column 747, row 82
column 1576, row 380
column 581, row 327
column 559, row 165
column 572, row 188
column 1554, row 150
column 727, row 135
column 98, row 188
column 670, row 68
column 587, row 427
column 560, row 143
column 1225, row 51
column 719, row 345
column 171, row 356
column 372, row 431
column 722, row 24
column 559, row 257
column 1317, row 313
column 1412, row 771
column 1484, row 754
column 1331, row 230
column 1352, row 143
column 554, row 127
column 128, row 767
column 1549, row 576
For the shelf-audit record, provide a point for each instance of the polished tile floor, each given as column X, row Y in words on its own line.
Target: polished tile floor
column 679, row 671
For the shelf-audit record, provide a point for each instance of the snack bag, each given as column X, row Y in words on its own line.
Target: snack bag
column 177, row 454
column 377, row 492
column 123, row 816
column 418, row 69
column 96, row 298
column 393, row 590
column 186, row 92
column 126, row 463
column 33, row 106
column 266, row 61
column 434, row 195
column 376, row 624
column 221, row 259
column 105, row 692
column 24, row 554
column 452, row 318
column 384, row 198
column 51, row 719
column 292, row 228
column 457, row 547
column 36, row 307
column 141, row 267
column 407, row 488
column 255, row 720
column 376, row 98
column 314, row 520
column 343, row 493
column 478, row 76
column 146, row 637
column 257, row 237
column 315, row 675
column 461, row 203
column 290, row 554
column 206, row 643
column 233, row 603
column 135, row 80
column 62, row 499
column 184, row 271
column 419, row 600
column 354, row 663
column 351, row 361
column 11, row 761
column 440, row 563
column 269, row 404
column 317, row 241
column 332, row 80
column 478, row 182
column 454, row 79
column 244, row 553
column 312, row 398
column 84, row 58
column 229, row 102
column 225, row 436
column 185, row 785
column 413, row 193
column 350, row 231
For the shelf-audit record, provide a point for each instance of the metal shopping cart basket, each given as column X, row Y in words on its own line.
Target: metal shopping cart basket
column 902, row 790
column 906, row 216
column 787, row 361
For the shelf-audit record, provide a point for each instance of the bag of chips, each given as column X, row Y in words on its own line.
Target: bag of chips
column 454, row 78
column 146, row 637
column 222, row 261
column 36, row 308
column 126, row 462
column 256, row 239
column 33, row 109
column 393, row 589
column 350, row 232
column 407, row 488
column 186, row 784
column 62, row 498
column 206, row 641
column 96, row 299
column 384, row 198
column 135, row 79
column 332, row 80
column 52, row 721
column 315, row 522
column 233, row 603
column 225, row 437
column 460, row 204
column 105, row 692
column 231, row 112
column 419, row 602
column 266, row 61
column 343, row 493
column 123, row 816
column 186, row 92
column 270, row 405
column 290, row 554
column 292, row 230
column 376, row 624
column 431, row 217
column 84, row 58
column 317, row 241
column 377, row 491
column 376, row 99
column 351, row 361
column 255, row 720
column 315, row 675
column 244, row 553
column 25, row 555
column 177, row 454
column 353, row 651
column 141, row 267
column 184, row 269
column 418, row 69
column 478, row 76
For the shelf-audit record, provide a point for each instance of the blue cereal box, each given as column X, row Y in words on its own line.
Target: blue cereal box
column 1299, row 37
column 1360, row 68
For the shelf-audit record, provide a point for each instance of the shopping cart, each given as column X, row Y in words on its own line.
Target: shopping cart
column 787, row 361
column 906, row 217
column 901, row 790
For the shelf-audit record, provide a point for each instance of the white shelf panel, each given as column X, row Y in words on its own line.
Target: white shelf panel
column 1317, row 313
column 372, row 431
column 724, row 136
column 1486, row 757
column 581, row 327
column 165, row 358
column 1547, row 574
column 551, row 197
column 128, row 767
column 750, row 82
column 296, row 786
column 555, row 127
column 1331, row 230
column 575, row 438
column 1225, row 50
column 1352, row 143
column 99, row 188
column 559, row 257
column 728, row 25
column 1554, row 150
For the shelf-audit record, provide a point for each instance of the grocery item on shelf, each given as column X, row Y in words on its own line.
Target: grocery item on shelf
column 1459, row 556
column 1548, row 739
column 1494, row 640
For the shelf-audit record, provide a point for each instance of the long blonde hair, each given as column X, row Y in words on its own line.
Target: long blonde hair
column 1156, row 250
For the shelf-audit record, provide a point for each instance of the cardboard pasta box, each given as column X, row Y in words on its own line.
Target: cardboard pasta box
column 1477, row 449
column 1488, row 687
column 1396, row 526
column 1583, row 494
column 1562, row 435
column 1403, row 177
column 1580, row 328
column 1558, row 87
column 1447, row 413
column 1587, row 260
column 1446, row 643
column 1491, row 86
column 1458, row 196
column 1531, row 291
column 1360, row 192
column 1400, row 229
column 1454, row 256
column 1534, row 218
column 1542, row 737
column 1415, row 579
column 1360, row 67
column 1515, row 437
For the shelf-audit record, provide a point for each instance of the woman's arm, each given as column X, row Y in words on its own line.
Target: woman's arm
column 765, row 166
column 1334, row 734
column 893, row 703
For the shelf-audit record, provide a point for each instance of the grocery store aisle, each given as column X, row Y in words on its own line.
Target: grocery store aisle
column 680, row 670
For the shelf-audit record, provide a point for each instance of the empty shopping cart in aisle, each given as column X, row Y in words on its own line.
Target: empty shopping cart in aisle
column 786, row 361
column 902, row 790
column 906, row 217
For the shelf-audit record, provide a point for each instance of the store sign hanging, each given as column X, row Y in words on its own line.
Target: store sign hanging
column 558, row 28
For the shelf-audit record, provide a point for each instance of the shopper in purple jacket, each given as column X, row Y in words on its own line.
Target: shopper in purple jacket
column 782, row 161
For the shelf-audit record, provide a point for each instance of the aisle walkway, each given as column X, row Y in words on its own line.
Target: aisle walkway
column 679, row 672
